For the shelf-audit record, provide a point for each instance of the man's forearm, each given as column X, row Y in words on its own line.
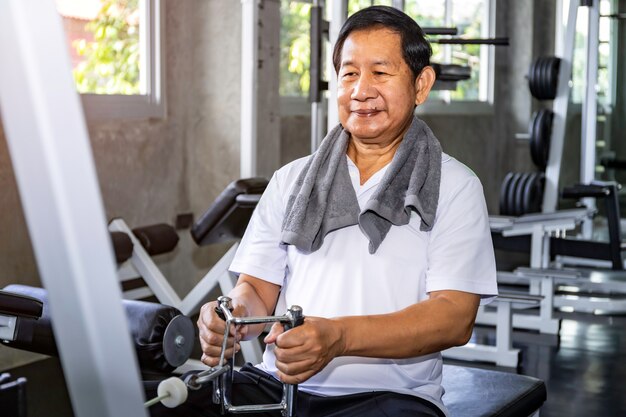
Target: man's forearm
column 444, row 320
column 254, row 297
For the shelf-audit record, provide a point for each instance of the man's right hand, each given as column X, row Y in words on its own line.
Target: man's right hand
column 211, row 330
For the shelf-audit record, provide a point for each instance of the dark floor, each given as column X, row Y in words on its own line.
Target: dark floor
column 584, row 371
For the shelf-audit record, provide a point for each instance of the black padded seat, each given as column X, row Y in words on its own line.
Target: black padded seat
column 473, row 392
column 122, row 246
column 228, row 216
column 162, row 336
column 12, row 396
column 157, row 238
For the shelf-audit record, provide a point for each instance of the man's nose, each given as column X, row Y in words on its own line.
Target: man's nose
column 363, row 89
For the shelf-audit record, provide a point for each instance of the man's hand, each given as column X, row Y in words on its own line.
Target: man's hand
column 211, row 328
column 305, row 350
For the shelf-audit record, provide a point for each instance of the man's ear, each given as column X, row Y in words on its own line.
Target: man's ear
column 423, row 83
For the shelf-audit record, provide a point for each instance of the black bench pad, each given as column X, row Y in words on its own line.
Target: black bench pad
column 473, row 392
column 228, row 216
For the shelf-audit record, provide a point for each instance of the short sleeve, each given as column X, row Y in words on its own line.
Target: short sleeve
column 260, row 253
column 460, row 254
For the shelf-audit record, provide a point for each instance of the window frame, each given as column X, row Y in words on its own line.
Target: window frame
column 150, row 103
column 484, row 104
column 299, row 105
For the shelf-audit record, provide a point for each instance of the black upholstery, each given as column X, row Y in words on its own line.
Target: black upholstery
column 122, row 246
column 472, row 392
column 149, row 324
column 157, row 238
column 12, row 396
column 20, row 305
column 228, row 216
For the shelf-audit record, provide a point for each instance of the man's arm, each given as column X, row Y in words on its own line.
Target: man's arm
column 250, row 297
column 444, row 320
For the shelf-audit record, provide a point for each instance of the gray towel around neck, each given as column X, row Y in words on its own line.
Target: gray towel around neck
column 323, row 198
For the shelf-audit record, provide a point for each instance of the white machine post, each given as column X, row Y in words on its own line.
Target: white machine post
column 249, row 78
column 590, row 110
column 559, row 107
column 339, row 14
column 53, row 164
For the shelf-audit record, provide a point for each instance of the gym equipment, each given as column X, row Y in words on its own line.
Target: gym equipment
column 472, row 41
column 492, row 393
column 533, row 233
column 163, row 337
column 540, row 131
column 521, row 193
column 172, row 394
column 12, row 396
column 543, row 76
column 224, row 221
column 53, row 163
column 502, row 354
column 447, row 75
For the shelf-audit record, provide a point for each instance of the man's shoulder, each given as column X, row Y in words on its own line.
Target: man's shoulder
column 454, row 169
column 455, row 175
column 289, row 172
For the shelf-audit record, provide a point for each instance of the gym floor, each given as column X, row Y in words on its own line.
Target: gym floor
column 584, row 369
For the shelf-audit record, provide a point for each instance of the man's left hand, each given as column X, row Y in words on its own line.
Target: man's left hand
column 305, row 350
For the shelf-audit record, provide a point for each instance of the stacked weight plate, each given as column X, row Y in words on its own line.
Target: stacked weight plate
column 522, row 192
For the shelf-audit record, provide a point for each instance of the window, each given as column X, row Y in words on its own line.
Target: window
column 115, row 49
column 606, row 54
column 473, row 18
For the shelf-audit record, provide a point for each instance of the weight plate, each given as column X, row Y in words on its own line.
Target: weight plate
column 528, row 189
column 555, row 63
column 519, row 193
column 535, row 194
column 532, row 78
column 178, row 340
column 503, row 194
column 510, row 195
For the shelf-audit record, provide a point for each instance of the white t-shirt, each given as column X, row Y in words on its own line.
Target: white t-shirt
column 342, row 278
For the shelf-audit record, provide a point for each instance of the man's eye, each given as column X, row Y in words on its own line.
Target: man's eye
column 379, row 73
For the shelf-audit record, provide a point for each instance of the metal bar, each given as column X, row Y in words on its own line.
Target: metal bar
column 339, row 14
column 453, row 31
column 474, row 41
column 55, row 173
column 559, row 107
column 249, row 80
column 590, row 111
column 146, row 267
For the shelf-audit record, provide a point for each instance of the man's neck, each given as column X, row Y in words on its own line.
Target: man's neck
column 370, row 158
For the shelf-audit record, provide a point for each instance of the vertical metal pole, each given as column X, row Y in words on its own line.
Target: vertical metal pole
column 559, row 107
column 398, row 4
column 339, row 14
column 52, row 160
column 590, row 111
column 249, row 78
column 315, row 71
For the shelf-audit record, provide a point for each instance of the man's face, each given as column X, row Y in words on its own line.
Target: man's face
column 376, row 90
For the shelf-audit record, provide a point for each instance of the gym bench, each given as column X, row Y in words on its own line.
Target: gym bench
column 503, row 353
column 473, row 392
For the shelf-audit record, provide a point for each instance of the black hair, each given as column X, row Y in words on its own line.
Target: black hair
column 416, row 50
